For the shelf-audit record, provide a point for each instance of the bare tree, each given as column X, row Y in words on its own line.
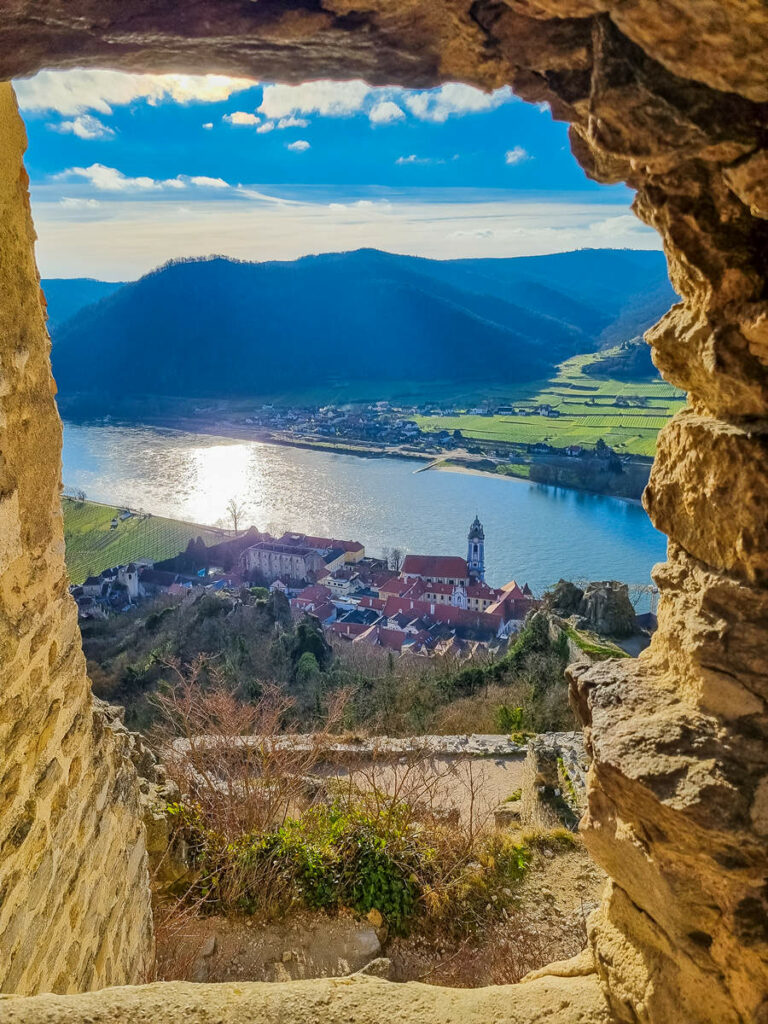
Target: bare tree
column 235, row 511
column 396, row 559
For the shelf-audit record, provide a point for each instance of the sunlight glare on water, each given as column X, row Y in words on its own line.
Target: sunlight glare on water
column 533, row 532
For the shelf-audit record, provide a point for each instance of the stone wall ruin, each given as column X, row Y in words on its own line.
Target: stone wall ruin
column 670, row 96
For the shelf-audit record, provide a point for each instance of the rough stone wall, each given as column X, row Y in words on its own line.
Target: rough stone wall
column 670, row 96
column 74, row 896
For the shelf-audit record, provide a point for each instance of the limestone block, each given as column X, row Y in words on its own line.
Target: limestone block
column 709, row 493
column 716, row 361
column 675, row 805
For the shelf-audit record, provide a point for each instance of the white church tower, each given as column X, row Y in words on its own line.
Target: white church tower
column 476, row 551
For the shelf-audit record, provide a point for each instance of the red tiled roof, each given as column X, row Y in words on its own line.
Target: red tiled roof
column 396, row 585
column 379, row 636
column 513, row 591
column 440, row 588
column 443, row 613
column 324, row 611
column 381, row 576
column 313, row 594
column 372, row 602
column 435, row 565
column 348, row 628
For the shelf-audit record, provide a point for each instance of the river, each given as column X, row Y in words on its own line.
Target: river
column 533, row 533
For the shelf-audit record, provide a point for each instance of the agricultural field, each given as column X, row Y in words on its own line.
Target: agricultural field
column 588, row 412
column 92, row 545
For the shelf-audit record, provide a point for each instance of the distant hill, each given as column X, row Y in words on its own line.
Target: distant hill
column 218, row 327
column 629, row 361
column 67, row 295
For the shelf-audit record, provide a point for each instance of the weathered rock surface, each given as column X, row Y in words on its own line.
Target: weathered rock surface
column 74, row 887
column 606, row 609
column 670, row 96
column 546, row 1000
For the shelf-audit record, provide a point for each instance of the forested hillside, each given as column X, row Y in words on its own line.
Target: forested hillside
column 220, row 327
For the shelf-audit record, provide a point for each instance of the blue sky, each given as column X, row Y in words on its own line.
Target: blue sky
column 130, row 170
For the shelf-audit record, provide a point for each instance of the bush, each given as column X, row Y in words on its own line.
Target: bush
column 329, row 858
column 342, row 856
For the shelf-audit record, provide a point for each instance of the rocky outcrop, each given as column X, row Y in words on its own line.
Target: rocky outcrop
column 670, row 96
column 603, row 607
column 606, row 609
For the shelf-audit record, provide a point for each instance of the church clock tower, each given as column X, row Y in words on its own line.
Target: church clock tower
column 476, row 551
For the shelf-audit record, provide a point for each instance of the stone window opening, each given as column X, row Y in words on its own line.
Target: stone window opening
column 671, row 98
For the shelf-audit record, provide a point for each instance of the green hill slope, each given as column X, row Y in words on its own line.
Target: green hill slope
column 92, row 546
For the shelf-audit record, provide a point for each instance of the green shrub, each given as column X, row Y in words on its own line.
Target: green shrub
column 509, row 719
column 345, row 856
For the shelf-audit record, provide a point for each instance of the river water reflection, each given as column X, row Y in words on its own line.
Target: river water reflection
column 533, row 532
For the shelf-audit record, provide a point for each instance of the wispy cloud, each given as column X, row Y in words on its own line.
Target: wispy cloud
column 299, row 146
column 413, row 159
column 75, row 203
column 516, row 155
column 268, row 126
column 84, row 127
column 249, row 224
column 110, row 179
column 75, row 92
column 292, row 122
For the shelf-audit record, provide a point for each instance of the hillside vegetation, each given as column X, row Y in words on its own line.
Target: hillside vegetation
column 216, row 327
column 92, row 545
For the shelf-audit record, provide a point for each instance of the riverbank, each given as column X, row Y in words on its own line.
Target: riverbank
column 445, row 459
column 447, row 466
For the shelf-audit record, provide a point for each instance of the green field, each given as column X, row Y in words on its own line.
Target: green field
column 92, row 546
column 587, row 408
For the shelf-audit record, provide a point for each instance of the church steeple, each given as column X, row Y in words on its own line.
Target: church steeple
column 476, row 550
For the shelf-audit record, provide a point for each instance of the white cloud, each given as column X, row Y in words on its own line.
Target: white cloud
column 516, row 155
column 385, row 112
column 292, row 122
column 110, row 179
column 74, row 92
column 208, row 125
column 331, row 99
column 84, row 127
column 454, row 99
column 299, row 146
column 413, row 159
column 72, row 203
column 205, row 182
column 241, row 117
column 266, row 127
